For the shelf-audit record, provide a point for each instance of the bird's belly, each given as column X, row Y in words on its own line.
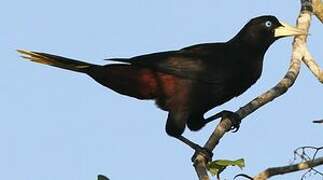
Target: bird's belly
column 216, row 95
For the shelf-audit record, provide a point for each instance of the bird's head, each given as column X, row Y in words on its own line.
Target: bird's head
column 262, row 31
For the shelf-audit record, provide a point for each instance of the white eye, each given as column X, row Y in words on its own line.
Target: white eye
column 268, row 23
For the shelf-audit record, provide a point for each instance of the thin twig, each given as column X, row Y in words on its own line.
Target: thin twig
column 318, row 121
column 308, row 161
column 307, row 153
column 288, row 169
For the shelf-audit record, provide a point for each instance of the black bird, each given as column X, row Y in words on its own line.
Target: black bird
column 187, row 82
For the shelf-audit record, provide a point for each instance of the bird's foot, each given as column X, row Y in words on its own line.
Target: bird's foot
column 206, row 153
column 234, row 118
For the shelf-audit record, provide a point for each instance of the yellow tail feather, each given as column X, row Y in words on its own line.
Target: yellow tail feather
column 54, row 60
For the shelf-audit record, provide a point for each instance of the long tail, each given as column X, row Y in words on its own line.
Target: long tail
column 56, row 61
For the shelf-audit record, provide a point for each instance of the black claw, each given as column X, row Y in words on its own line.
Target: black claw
column 234, row 118
column 235, row 128
column 235, row 124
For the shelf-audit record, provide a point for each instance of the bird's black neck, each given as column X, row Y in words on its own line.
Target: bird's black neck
column 249, row 48
column 249, row 43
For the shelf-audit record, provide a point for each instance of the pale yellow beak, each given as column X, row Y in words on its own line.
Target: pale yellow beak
column 287, row 30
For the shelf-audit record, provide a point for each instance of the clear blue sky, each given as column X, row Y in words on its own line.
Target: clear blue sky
column 61, row 125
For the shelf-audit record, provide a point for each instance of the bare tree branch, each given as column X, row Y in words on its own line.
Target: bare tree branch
column 307, row 153
column 303, row 22
column 312, row 65
column 308, row 161
column 318, row 121
column 318, row 9
column 288, row 169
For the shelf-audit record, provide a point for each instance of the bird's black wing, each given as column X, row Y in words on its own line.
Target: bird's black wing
column 204, row 62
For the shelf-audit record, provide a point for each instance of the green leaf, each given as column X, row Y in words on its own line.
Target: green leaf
column 217, row 166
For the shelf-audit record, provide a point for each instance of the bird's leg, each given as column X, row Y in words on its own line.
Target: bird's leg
column 198, row 149
column 234, row 118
